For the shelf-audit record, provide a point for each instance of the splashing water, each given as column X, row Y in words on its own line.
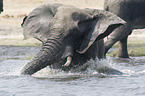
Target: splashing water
column 12, row 68
column 98, row 64
column 92, row 70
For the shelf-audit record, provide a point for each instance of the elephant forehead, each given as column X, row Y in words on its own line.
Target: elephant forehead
column 67, row 18
column 72, row 13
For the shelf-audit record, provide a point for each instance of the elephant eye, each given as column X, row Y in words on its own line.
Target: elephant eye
column 83, row 27
column 73, row 31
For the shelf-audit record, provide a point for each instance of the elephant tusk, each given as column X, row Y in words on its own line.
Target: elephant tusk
column 69, row 59
column 83, row 51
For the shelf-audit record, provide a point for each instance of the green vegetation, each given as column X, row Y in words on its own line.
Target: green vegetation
column 136, row 47
column 29, row 57
column 19, row 42
column 15, row 58
column 135, row 52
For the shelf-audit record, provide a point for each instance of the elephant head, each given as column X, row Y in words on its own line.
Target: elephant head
column 66, row 32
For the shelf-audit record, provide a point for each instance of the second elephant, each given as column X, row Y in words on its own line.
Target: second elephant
column 70, row 36
column 132, row 11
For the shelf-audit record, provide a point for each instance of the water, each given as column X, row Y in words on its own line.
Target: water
column 58, row 83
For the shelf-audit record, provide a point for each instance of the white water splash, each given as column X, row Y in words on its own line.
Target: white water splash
column 12, row 70
column 92, row 67
column 53, row 73
column 98, row 64
column 142, row 72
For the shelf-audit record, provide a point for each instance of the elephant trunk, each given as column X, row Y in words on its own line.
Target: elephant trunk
column 50, row 53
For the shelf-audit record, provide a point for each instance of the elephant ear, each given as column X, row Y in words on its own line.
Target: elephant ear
column 102, row 24
column 37, row 22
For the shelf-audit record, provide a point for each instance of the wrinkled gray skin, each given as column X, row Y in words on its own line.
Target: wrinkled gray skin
column 70, row 36
column 132, row 11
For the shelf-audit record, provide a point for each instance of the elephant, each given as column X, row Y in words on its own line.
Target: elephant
column 132, row 11
column 70, row 36
column 1, row 6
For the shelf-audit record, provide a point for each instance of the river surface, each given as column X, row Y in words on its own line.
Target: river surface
column 58, row 83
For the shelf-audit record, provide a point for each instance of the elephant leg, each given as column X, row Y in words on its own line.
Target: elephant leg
column 120, row 34
column 123, row 52
column 115, row 36
column 109, row 43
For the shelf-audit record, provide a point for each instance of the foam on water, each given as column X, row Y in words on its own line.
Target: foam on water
column 98, row 64
column 10, row 74
column 93, row 66
column 13, row 70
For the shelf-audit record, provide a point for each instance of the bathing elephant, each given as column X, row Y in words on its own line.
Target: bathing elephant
column 70, row 36
column 132, row 11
